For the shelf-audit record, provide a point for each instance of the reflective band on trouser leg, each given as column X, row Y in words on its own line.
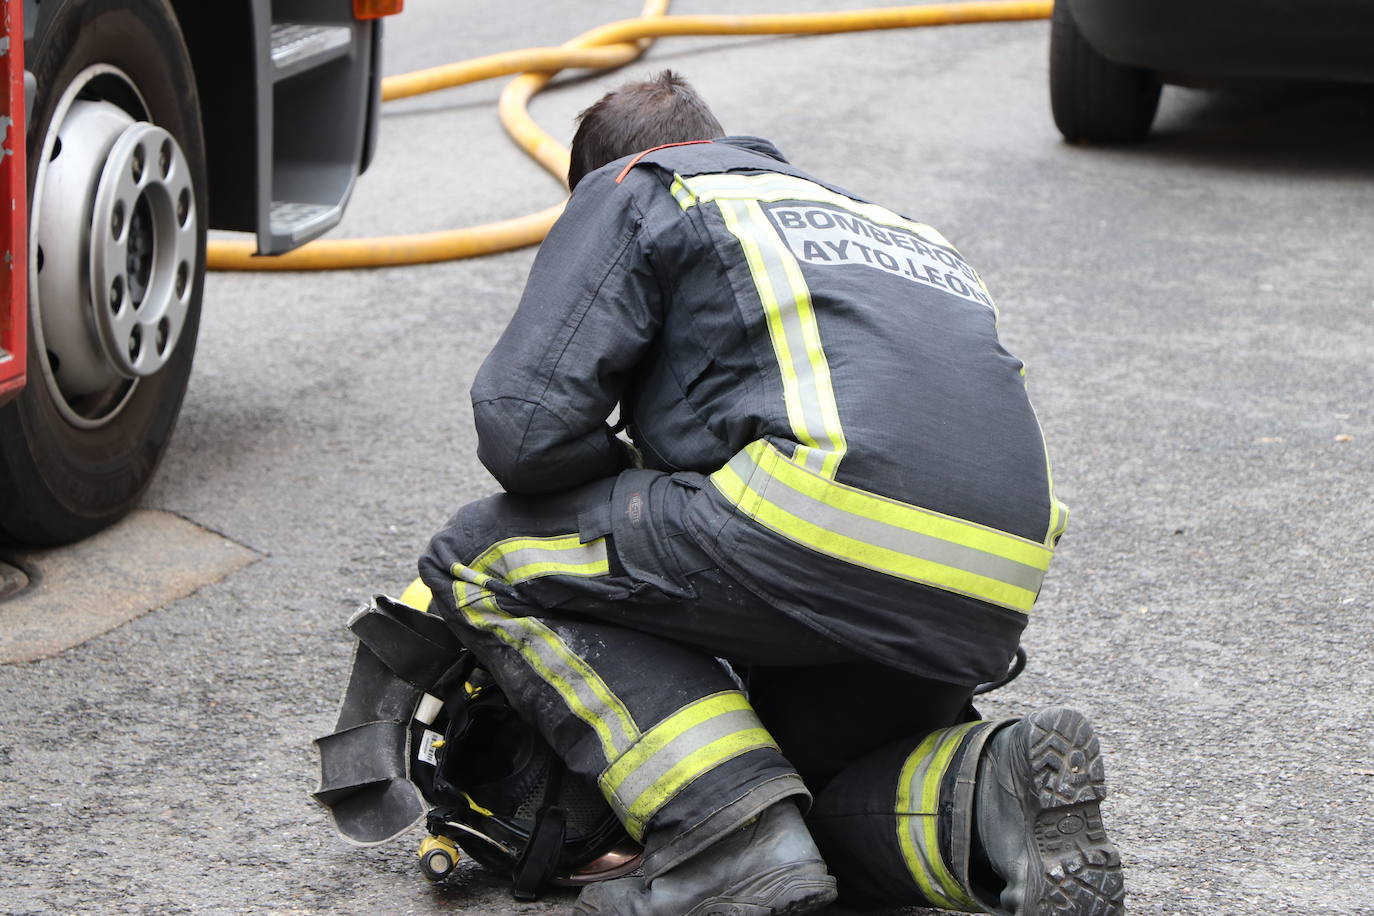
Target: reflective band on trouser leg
column 679, row 749
column 918, row 819
column 806, row 384
column 581, row 689
column 883, row 534
column 520, row 559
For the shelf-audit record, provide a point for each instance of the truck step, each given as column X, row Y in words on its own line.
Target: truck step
column 301, row 222
column 320, row 75
column 298, row 46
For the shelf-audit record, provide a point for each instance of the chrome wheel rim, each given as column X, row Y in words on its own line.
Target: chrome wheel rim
column 113, row 240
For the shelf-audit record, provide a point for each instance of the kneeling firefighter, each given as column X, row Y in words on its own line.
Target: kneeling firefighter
column 754, row 628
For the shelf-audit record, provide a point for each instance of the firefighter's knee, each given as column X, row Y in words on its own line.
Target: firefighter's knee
column 467, row 534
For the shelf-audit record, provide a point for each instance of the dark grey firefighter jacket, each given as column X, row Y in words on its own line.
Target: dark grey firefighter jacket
column 875, row 467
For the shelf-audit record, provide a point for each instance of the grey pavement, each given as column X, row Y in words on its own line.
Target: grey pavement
column 1197, row 316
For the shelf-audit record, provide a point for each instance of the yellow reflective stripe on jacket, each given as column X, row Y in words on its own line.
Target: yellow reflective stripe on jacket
column 872, row 531
column 883, row 534
column 791, row 319
column 1059, row 513
column 1059, row 520
column 918, row 808
column 696, row 738
column 516, row 560
column 685, row 198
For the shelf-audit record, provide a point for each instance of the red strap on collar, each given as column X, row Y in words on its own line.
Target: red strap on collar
column 635, row 161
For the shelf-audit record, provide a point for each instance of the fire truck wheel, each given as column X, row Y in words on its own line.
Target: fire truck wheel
column 116, row 178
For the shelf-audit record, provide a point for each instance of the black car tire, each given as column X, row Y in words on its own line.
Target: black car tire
column 1095, row 100
column 62, row 480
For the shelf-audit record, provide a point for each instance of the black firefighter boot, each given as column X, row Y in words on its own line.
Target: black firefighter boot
column 1037, row 821
column 768, row 866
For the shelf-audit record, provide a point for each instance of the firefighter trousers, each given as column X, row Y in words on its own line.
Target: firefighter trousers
column 627, row 646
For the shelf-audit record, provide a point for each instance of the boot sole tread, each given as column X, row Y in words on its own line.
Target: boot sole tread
column 1080, row 868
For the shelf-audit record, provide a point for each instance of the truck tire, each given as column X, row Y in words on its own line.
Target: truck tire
column 116, row 181
column 1096, row 100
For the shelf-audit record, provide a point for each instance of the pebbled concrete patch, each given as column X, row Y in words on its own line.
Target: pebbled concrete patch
column 145, row 562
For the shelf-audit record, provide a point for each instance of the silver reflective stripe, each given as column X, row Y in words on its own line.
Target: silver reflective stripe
column 880, row 533
column 677, row 751
column 634, row 784
column 917, row 807
column 577, row 684
column 685, row 198
column 789, row 311
column 902, row 540
column 466, row 593
column 520, row 559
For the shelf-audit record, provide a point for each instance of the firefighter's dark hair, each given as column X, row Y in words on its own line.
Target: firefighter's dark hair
column 638, row 116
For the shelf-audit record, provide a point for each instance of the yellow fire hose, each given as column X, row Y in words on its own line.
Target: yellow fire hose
column 612, row 45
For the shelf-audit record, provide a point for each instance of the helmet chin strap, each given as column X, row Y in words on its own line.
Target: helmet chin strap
column 536, row 865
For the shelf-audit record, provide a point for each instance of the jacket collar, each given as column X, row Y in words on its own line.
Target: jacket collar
column 754, row 145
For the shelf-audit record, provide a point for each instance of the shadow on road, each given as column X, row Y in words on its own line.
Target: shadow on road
column 1313, row 129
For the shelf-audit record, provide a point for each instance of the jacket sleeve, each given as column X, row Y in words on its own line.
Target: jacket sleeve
column 589, row 310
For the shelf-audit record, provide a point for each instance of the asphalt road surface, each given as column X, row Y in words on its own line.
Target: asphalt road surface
column 1197, row 315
